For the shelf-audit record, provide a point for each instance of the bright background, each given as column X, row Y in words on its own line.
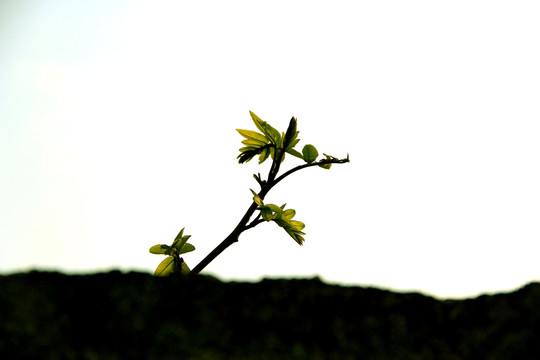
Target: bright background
column 117, row 127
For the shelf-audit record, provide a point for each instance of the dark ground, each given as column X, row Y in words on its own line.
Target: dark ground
column 136, row 316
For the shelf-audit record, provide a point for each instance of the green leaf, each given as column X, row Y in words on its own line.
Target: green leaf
column 184, row 269
column 284, row 223
column 272, row 152
column 180, row 266
column 180, row 244
column 325, row 166
column 292, row 227
column 291, row 230
column 310, row 153
column 160, row 249
column 257, row 198
column 186, row 248
column 294, row 142
column 177, row 242
column 288, row 214
column 274, row 208
column 264, row 155
column 272, row 134
column 266, row 213
column 289, row 139
column 249, row 148
column 257, row 120
column 247, row 154
column 297, row 237
column 180, row 240
column 297, row 225
column 257, row 143
column 179, row 236
column 253, row 143
column 166, row 267
column 253, row 135
column 295, row 153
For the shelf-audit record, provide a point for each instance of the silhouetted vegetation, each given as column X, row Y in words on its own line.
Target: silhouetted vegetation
column 137, row 316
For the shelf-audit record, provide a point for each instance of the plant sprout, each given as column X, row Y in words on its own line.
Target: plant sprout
column 266, row 143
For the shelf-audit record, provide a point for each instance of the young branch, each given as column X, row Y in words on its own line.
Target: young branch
column 255, row 222
column 317, row 163
column 229, row 240
column 265, row 188
column 265, row 143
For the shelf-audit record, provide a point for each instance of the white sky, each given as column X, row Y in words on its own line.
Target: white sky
column 117, row 127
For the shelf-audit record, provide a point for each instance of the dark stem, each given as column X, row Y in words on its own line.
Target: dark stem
column 254, row 223
column 320, row 162
column 243, row 224
column 229, row 240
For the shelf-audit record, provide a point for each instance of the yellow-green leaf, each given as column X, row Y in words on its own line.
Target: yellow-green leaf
column 267, row 129
column 253, row 143
column 180, row 244
column 184, row 269
column 257, row 120
column 266, row 213
column 310, row 153
column 274, row 208
column 248, row 134
column 160, row 249
column 325, row 166
column 166, row 267
column 248, row 148
column 291, row 134
column 264, row 155
column 273, row 134
column 295, row 153
column 297, row 225
column 186, row 248
column 257, row 198
column 289, row 214
column 178, row 237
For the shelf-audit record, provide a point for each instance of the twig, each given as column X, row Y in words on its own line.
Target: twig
column 265, row 188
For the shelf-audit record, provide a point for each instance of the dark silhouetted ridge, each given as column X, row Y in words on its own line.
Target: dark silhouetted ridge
column 46, row 315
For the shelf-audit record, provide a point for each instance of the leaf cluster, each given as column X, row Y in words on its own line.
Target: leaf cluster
column 281, row 216
column 173, row 262
column 269, row 142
